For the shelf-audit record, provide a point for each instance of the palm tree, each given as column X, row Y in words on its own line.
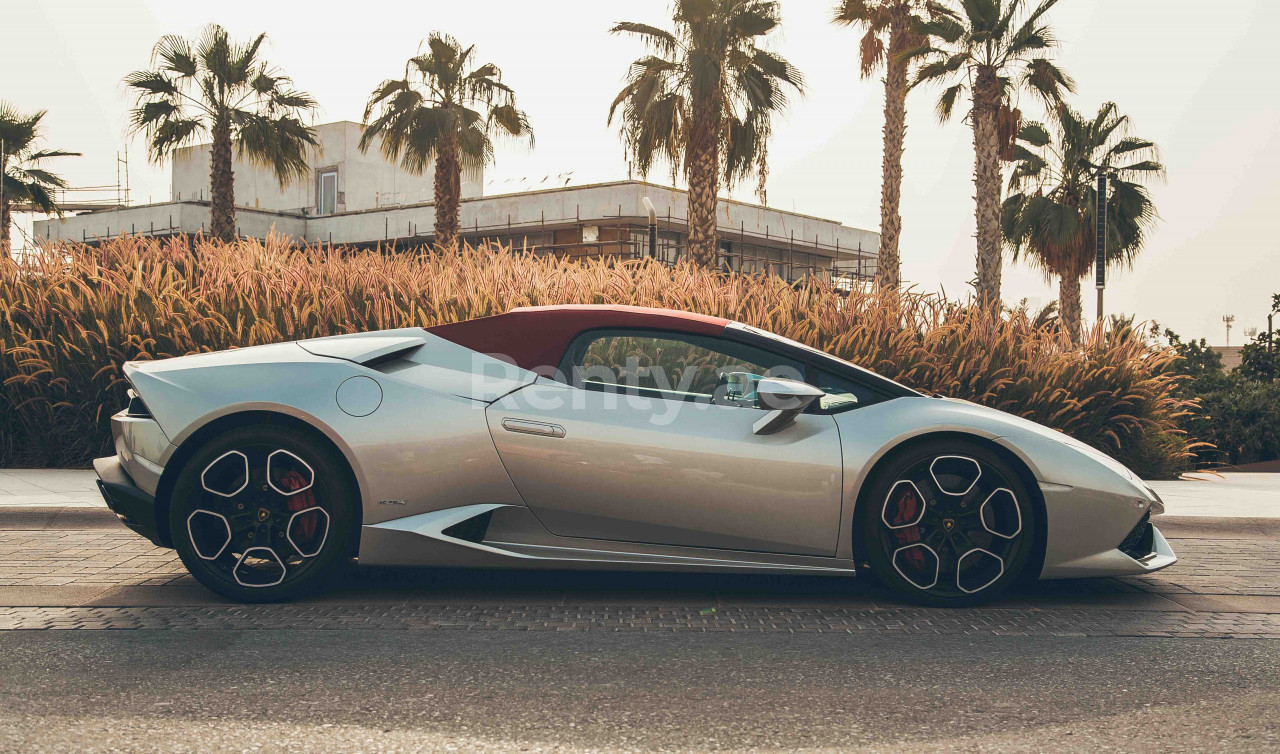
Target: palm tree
column 25, row 180
column 216, row 87
column 1049, row 217
column 449, row 116
column 992, row 50
column 703, row 99
column 900, row 21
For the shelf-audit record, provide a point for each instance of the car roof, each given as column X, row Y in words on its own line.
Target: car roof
column 536, row 337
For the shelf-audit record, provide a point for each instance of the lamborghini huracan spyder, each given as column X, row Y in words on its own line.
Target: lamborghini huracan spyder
column 603, row 437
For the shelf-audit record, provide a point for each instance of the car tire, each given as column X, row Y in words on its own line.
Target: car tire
column 264, row 513
column 947, row 523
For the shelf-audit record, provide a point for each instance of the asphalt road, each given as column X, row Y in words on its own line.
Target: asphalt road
column 540, row 691
column 439, row 659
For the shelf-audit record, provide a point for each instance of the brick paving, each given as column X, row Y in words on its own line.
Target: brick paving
column 83, row 558
column 105, row 558
column 121, row 558
column 1217, row 566
column 969, row 622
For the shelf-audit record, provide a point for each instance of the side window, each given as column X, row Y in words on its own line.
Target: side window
column 676, row 366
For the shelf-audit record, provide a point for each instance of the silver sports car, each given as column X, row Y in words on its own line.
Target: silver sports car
column 603, row 437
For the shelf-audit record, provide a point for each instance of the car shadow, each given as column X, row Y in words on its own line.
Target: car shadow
column 473, row 587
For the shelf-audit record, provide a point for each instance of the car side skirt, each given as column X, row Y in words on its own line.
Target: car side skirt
column 509, row 536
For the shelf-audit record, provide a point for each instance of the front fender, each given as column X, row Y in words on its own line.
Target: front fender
column 1089, row 507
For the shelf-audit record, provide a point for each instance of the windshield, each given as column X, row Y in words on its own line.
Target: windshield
column 823, row 354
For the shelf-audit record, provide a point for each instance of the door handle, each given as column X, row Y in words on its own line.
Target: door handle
column 526, row 427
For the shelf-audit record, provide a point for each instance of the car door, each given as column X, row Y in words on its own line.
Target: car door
column 651, row 441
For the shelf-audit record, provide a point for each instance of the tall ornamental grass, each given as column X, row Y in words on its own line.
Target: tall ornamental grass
column 70, row 316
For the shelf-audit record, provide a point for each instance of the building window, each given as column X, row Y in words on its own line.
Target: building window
column 729, row 261
column 327, row 191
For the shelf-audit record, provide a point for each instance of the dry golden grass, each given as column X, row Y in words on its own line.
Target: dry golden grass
column 70, row 317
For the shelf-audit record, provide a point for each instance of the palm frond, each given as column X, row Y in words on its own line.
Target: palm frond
column 45, row 154
column 939, row 70
column 213, row 50
column 660, row 41
column 871, row 53
column 754, row 20
column 1007, row 15
column 1034, row 134
column 1047, row 80
column 512, row 121
column 1145, row 166
column 44, row 178
column 946, row 28
column 153, row 113
column 860, row 13
column 18, row 130
column 279, row 143
column 171, row 134
column 1032, row 29
column 947, row 101
column 777, row 68
column 151, row 82
column 174, row 52
column 982, row 17
column 291, row 100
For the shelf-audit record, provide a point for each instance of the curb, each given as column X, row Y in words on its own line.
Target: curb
column 37, row 518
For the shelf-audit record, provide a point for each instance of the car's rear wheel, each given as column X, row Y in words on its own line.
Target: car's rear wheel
column 948, row 523
column 263, row 513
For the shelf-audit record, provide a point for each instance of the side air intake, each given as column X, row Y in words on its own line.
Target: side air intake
column 472, row 530
column 1140, row 542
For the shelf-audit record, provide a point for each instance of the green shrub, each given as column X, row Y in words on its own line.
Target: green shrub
column 1239, row 413
column 1240, row 417
column 69, row 318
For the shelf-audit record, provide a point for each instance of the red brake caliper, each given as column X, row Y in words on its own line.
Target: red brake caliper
column 907, row 508
column 301, row 501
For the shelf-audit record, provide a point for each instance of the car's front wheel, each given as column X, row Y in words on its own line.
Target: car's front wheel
column 948, row 523
column 263, row 513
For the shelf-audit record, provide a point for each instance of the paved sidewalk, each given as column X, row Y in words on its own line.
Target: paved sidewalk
column 49, row 487
column 1231, row 495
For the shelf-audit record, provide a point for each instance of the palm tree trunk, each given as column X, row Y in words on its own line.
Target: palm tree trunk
column 986, row 181
column 222, row 200
column 6, row 221
column 704, row 185
column 1069, row 306
column 448, row 194
column 888, row 267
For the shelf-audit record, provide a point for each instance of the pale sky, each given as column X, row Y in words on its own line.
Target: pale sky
column 1201, row 85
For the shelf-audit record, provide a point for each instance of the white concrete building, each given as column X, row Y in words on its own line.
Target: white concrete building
column 356, row 199
column 343, row 179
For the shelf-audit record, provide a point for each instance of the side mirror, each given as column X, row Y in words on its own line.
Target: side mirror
column 784, row 400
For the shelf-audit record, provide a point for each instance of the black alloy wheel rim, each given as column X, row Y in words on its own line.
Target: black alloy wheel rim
column 259, row 518
column 951, row 526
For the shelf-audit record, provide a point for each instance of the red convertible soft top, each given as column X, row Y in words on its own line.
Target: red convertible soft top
column 536, row 337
